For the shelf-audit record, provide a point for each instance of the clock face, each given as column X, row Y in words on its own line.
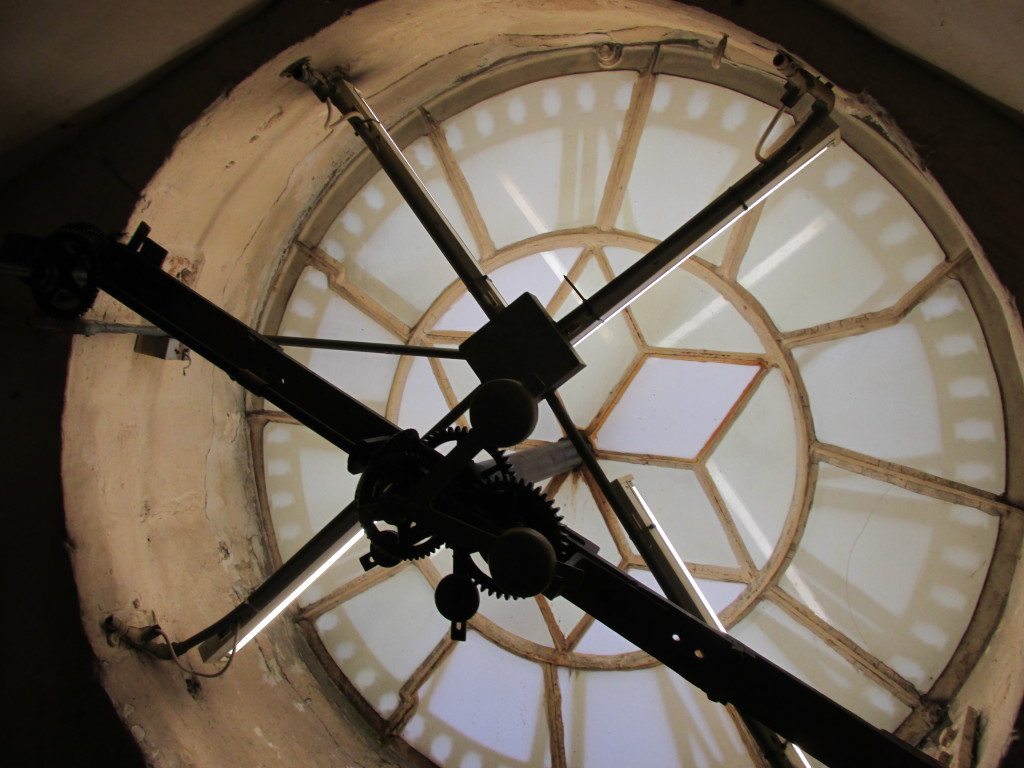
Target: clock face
column 808, row 405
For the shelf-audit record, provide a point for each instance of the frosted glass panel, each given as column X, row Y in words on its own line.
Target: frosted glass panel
column 373, row 647
column 897, row 572
column 672, row 407
column 720, row 594
column 539, row 274
column 461, row 378
column 463, row 315
column 537, row 157
column 649, row 717
column 684, row 312
column 422, row 404
column 754, row 467
column 307, row 484
column 840, row 237
column 383, row 247
column 698, row 139
column 520, row 617
column 772, row 633
column 920, row 393
column 315, row 311
column 683, row 510
column 483, row 707
column 600, row 640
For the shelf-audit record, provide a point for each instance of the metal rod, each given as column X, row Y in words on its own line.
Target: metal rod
column 89, row 328
column 241, row 352
column 729, row 672
column 368, row 127
column 679, row 586
column 366, row 346
column 541, row 462
column 809, row 140
column 280, row 589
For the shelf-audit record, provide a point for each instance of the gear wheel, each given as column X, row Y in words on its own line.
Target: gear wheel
column 513, row 503
column 64, row 277
column 391, row 474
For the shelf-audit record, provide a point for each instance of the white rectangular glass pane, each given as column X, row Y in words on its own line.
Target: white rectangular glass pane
column 609, row 352
column 773, row 634
column 837, row 240
column 698, row 139
column 422, row 404
column 921, row 393
column 383, row 247
column 897, row 572
column 483, row 707
column 314, row 310
column 682, row 509
column 683, row 312
column 373, row 647
column 648, row 717
column 307, row 484
column 754, row 467
column 537, row 157
column 673, row 407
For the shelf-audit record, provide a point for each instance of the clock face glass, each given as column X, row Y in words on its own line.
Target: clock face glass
column 808, row 405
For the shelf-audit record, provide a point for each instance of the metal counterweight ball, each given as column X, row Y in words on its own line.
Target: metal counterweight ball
column 503, row 412
column 522, row 562
column 457, row 598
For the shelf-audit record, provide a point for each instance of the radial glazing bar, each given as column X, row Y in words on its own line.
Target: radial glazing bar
column 343, row 95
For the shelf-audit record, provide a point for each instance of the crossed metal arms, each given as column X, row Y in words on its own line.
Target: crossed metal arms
column 79, row 261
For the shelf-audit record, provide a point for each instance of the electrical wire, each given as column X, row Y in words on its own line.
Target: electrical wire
column 188, row 669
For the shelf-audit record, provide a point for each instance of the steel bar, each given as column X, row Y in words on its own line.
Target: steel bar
column 677, row 584
column 241, row 352
column 811, row 138
column 92, row 328
column 541, row 462
column 343, row 95
column 87, row 328
column 366, row 346
column 731, row 673
column 280, row 588
column 662, row 568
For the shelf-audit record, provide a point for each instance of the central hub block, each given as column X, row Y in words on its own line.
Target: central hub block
column 523, row 343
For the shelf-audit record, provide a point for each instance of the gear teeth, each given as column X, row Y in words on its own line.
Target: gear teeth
column 514, row 502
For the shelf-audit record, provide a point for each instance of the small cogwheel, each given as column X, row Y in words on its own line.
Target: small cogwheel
column 513, row 504
column 64, row 276
column 390, row 476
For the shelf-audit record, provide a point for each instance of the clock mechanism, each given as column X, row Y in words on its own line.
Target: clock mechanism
column 455, row 487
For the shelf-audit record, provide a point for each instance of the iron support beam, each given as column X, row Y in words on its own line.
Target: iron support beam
column 729, row 672
column 93, row 328
column 537, row 464
column 810, row 139
column 241, row 352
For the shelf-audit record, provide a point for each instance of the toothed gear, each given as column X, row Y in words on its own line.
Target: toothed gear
column 64, row 279
column 513, row 503
column 395, row 471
